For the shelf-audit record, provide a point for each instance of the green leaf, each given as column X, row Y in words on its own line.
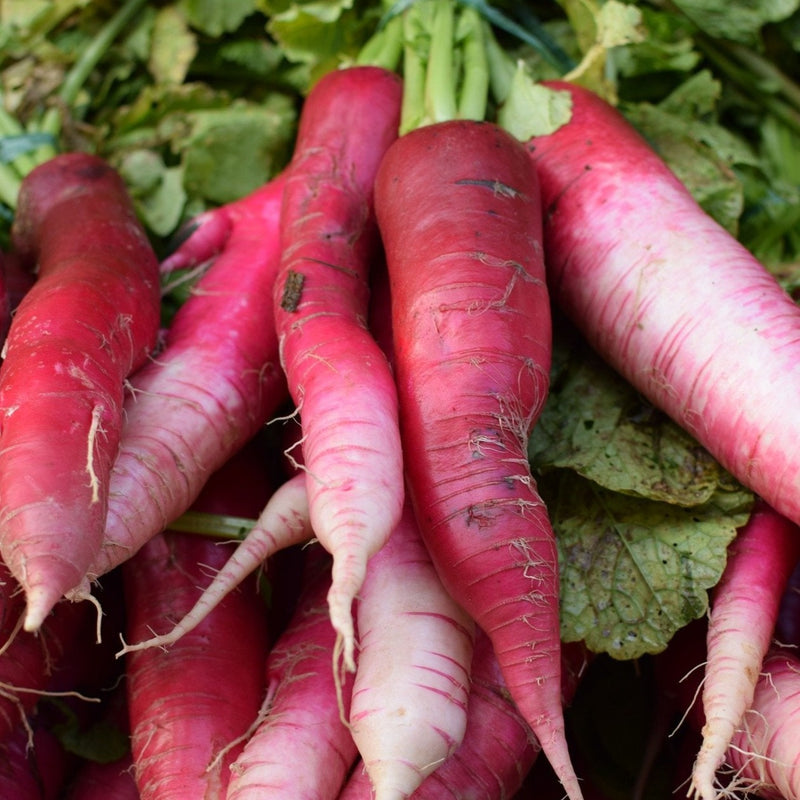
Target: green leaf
column 174, row 46
column 102, row 741
column 596, row 424
column 230, row 152
column 739, row 21
column 215, row 18
column 634, row 572
column 531, row 109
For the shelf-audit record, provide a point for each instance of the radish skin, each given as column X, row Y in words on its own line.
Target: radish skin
column 283, row 522
column 743, row 615
column 88, row 322
column 669, row 298
column 216, row 383
column 458, row 209
column 302, row 750
column 338, row 377
column 764, row 752
column 409, row 704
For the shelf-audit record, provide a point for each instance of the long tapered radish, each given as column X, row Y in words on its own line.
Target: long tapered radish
column 763, row 757
column 669, row 298
column 216, row 382
column 90, row 320
column 408, row 710
column 744, row 610
column 338, row 377
column 302, row 747
column 190, row 705
column 458, row 209
column 283, row 522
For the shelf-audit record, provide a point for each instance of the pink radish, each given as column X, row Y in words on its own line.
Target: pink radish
column 409, row 704
column 338, row 377
column 301, row 748
column 458, row 209
column 669, row 298
column 88, row 322
column 744, row 611
column 216, row 383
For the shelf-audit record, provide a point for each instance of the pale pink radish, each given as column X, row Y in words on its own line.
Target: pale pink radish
column 409, row 704
column 669, row 298
column 215, row 384
column 283, row 522
column 339, row 379
column 89, row 321
column 744, row 610
column 472, row 340
column 764, row 756
column 301, row 749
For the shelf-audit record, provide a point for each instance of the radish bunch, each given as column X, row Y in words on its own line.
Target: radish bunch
column 388, row 298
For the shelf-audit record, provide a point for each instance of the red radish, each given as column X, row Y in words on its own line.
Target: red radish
column 189, row 703
column 90, row 320
column 35, row 772
column 743, row 615
column 103, row 781
column 217, row 382
column 669, row 298
column 409, row 704
column 458, row 208
column 339, row 379
column 763, row 755
column 302, row 748
column 283, row 522
column 5, row 298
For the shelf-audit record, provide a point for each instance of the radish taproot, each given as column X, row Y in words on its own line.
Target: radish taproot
column 90, row 320
column 744, row 611
column 301, row 747
column 190, row 705
column 338, row 377
column 216, row 383
column 668, row 297
column 408, row 710
column 472, row 339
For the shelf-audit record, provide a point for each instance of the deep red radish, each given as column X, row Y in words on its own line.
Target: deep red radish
column 338, row 377
column 104, row 781
column 301, row 748
column 90, row 320
column 458, row 208
column 5, row 298
column 408, row 710
column 669, row 298
column 764, row 756
column 284, row 522
column 744, row 611
column 191, row 703
column 32, row 772
column 216, row 383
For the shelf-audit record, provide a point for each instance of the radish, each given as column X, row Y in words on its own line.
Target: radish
column 472, row 335
column 744, row 611
column 763, row 755
column 188, row 705
column 90, row 320
column 103, row 780
column 338, row 377
column 409, row 703
column 302, row 748
column 216, row 383
column 669, row 298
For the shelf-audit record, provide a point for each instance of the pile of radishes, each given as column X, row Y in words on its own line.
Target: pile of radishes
column 358, row 369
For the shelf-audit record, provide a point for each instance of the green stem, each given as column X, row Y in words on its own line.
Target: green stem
column 440, row 94
column 501, row 68
column 412, row 111
column 475, row 83
column 213, row 525
column 10, row 126
column 9, row 185
column 385, row 47
column 82, row 68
